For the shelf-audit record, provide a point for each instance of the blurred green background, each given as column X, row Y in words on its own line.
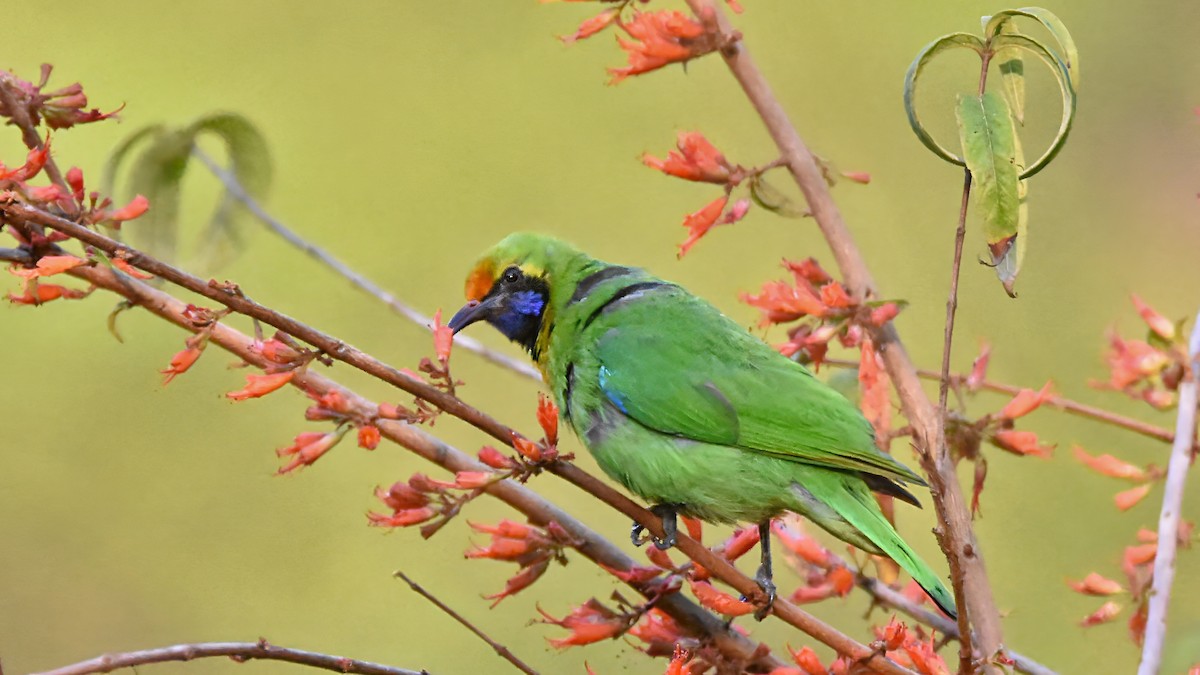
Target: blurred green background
column 409, row 136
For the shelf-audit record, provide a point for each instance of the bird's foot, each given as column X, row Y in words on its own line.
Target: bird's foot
column 763, row 577
column 667, row 513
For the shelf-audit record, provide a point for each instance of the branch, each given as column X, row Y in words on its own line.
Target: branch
column 237, row 651
column 1062, row 403
column 972, row 593
column 238, row 192
column 341, row 351
column 533, row 506
column 1168, row 520
column 496, row 646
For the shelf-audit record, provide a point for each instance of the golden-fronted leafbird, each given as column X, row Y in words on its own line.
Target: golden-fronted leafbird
column 687, row 409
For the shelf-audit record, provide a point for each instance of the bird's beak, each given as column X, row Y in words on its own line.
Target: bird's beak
column 471, row 312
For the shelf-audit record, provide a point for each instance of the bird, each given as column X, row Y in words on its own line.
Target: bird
column 687, row 409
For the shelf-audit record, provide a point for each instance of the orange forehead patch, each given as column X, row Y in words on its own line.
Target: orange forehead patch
column 480, row 281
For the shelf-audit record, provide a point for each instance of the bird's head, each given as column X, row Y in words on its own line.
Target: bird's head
column 510, row 286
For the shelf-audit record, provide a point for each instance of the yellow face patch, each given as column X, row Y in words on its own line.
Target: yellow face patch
column 480, row 281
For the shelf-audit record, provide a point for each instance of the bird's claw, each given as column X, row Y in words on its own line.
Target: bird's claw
column 763, row 577
column 670, row 529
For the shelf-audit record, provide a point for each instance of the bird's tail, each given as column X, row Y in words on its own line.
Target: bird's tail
column 855, row 506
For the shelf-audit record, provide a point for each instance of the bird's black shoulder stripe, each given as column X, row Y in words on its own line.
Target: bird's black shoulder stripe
column 566, row 397
column 621, row 294
column 592, row 280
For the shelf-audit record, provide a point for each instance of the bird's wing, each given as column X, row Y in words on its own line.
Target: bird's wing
column 675, row 364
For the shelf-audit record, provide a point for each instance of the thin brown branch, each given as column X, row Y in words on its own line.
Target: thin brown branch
column 1060, row 402
column 1168, row 520
column 972, row 592
column 341, row 351
column 960, row 234
column 496, row 646
column 277, row 227
column 237, row 651
column 533, row 506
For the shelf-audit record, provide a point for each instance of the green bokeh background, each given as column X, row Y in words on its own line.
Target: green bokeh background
column 409, row 136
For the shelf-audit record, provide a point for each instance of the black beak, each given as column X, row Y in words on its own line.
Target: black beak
column 471, row 312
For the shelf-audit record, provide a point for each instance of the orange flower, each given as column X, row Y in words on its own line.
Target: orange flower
column 592, row 26
column 48, row 266
column 1107, row 612
column 369, row 436
column 781, row 303
column 801, row 544
column 588, row 623
column 721, row 603
column 443, row 338
column 308, row 448
column 979, row 368
column 520, row 581
column 657, row 628
column 181, row 362
column 123, row 265
column 1130, row 361
column 34, row 161
column 36, row 294
column 1094, row 584
column 260, row 385
column 1158, row 323
column 808, row 661
column 527, row 448
column 132, row 210
column 1116, row 468
column 1127, row 499
column 547, row 416
column 697, row 160
column 875, row 386
column 1026, row 401
column 1020, row 443
column 494, row 458
column 700, row 222
column 660, row 39
column 471, row 480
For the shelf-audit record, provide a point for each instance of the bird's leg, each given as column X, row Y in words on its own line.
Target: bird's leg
column 765, row 575
column 667, row 513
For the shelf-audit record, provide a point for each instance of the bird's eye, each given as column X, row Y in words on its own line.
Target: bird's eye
column 511, row 275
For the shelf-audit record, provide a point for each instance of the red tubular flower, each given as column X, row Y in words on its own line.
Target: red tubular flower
column 37, row 293
column 1116, row 468
column 808, row 661
column 493, row 458
column 123, row 265
column 527, row 448
column 592, row 26
column 697, row 160
column 1026, row 401
column 547, row 416
column 657, row 629
column 679, row 662
column 1107, row 612
column 739, row 543
column 520, row 581
column 1158, row 323
column 443, row 338
column 181, row 362
column 1020, row 443
column 1131, row 361
column 781, row 302
column 405, row 518
column 401, row 496
column 34, row 161
column 699, row 223
column 588, row 623
column 801, row 544
column 75, row 180
column 721, row 603
column 308, row 448
column 260, row 385
column 1127, row 499
column 369, row 436
column 48, row 266
column 132, row 210
column 660, row 39
column 1094, row 584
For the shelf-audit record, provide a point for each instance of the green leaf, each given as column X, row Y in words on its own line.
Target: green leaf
column 765, row 195
column 990, row 148
column 1012, row 72
column 942, row 44
column 1065, row 87
column 1052, row 23
column 1008, row 265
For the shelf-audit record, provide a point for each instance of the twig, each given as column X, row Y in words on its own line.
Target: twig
column 533, row 506
column 499, row 648
column 1168, row 520
column 960, row 235
column 238, row 192
column 1062, row 403
column 972, row 592
column 237, row 651
column 345, row 353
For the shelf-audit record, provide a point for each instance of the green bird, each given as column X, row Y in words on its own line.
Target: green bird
column 687, row 409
